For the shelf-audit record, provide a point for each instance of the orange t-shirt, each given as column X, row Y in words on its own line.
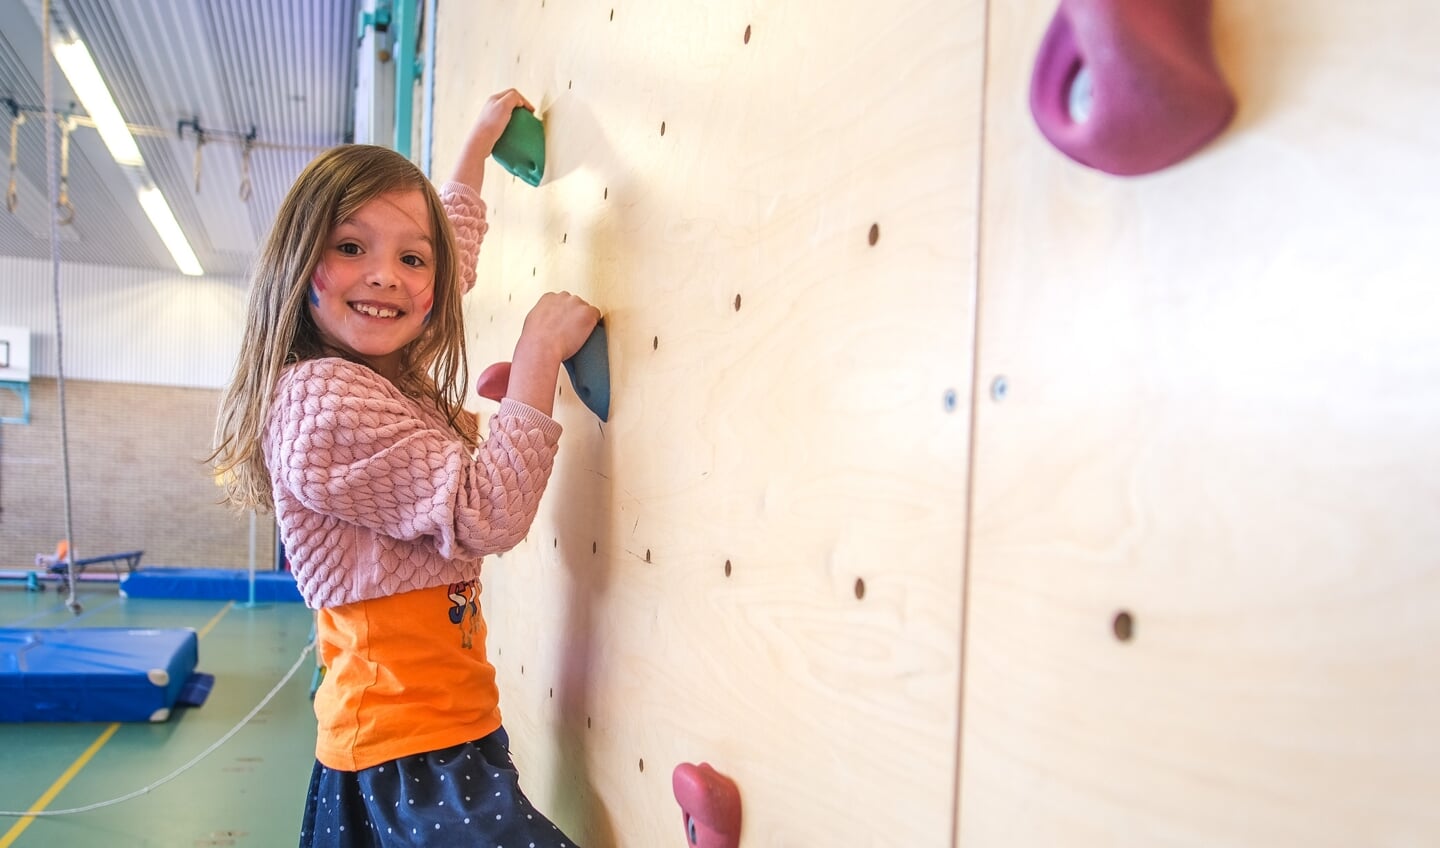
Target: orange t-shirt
column 404, row 674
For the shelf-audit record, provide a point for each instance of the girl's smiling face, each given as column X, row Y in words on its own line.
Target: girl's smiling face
column 371, row 294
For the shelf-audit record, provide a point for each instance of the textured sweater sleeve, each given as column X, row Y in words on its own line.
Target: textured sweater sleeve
column 467, row 218
column 345, row 444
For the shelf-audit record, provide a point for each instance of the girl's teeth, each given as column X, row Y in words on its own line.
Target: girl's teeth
column 374, row 311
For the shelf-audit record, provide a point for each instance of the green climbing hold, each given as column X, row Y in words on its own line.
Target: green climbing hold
column 521, row 147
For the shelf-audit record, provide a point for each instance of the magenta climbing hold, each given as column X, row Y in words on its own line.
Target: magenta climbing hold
column 1129, row 86
column 710, row 805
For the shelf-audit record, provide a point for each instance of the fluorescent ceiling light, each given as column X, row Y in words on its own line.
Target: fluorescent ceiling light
column 169, row 229
column 74, row 59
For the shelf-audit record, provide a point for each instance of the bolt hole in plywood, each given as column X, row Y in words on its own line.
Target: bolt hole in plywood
column 1123, row 626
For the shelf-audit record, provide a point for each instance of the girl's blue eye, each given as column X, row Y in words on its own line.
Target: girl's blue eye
column 348, row 248
column 414, row 261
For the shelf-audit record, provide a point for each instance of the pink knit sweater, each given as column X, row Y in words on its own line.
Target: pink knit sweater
column 375, row 494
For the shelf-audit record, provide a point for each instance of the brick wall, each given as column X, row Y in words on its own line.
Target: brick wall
column 137, row 474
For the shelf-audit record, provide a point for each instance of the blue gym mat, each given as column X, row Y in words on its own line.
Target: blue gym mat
column 94, row 673
column 210, row 584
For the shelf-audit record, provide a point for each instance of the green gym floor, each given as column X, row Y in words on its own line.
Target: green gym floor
column 249, row 792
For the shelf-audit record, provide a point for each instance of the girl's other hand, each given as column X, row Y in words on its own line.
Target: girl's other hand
column 557, row 326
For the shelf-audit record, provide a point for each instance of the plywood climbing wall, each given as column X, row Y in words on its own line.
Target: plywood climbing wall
column 758, row 561
column 1205, row 589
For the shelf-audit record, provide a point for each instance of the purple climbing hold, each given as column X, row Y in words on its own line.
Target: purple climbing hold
column 1129, row 86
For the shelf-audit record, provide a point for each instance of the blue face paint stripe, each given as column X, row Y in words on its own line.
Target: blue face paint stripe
column 314, row 296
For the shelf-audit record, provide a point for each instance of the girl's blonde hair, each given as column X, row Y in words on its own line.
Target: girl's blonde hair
column 279, row 330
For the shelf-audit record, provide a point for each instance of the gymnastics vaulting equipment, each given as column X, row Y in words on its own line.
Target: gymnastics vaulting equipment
column 1129, row 86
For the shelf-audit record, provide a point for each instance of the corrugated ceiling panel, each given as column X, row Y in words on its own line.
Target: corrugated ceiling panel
column 284, row 67
column 102, row 232
column 293, row 64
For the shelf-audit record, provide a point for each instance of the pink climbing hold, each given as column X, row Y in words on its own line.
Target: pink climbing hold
column 494, row 381
column 710, row 806
column 1129, row 86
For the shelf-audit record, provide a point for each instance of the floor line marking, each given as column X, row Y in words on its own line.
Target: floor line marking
column 44, row 801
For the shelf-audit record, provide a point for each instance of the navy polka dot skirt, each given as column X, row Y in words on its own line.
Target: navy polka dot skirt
column 468, row 795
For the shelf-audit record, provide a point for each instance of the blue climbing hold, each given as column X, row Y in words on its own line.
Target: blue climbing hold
column 589, row 371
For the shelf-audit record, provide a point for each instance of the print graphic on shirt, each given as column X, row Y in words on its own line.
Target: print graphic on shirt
column 465, row 610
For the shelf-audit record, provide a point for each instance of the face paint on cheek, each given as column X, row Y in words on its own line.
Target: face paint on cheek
column 316, row 287
column 427, row 306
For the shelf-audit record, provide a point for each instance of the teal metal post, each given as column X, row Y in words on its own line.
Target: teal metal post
column 403, row 27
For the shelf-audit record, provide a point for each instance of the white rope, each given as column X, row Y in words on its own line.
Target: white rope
column 305, row 652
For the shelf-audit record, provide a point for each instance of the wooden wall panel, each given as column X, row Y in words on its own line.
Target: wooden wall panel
column 1221, row 419
column 758, row 561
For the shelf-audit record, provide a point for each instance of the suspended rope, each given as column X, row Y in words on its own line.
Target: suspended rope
column 12, row 194
column 245, row 166
column 67, row 212
column 199, row 150
column 52, row 177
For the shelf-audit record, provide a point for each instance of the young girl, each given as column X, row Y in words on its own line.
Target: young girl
column 344, row 415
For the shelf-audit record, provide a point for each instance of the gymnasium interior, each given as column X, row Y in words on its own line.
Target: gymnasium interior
column 1138, row 294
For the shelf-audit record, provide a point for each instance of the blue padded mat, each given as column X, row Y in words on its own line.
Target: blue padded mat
column 94, row 673
column 210, row 584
